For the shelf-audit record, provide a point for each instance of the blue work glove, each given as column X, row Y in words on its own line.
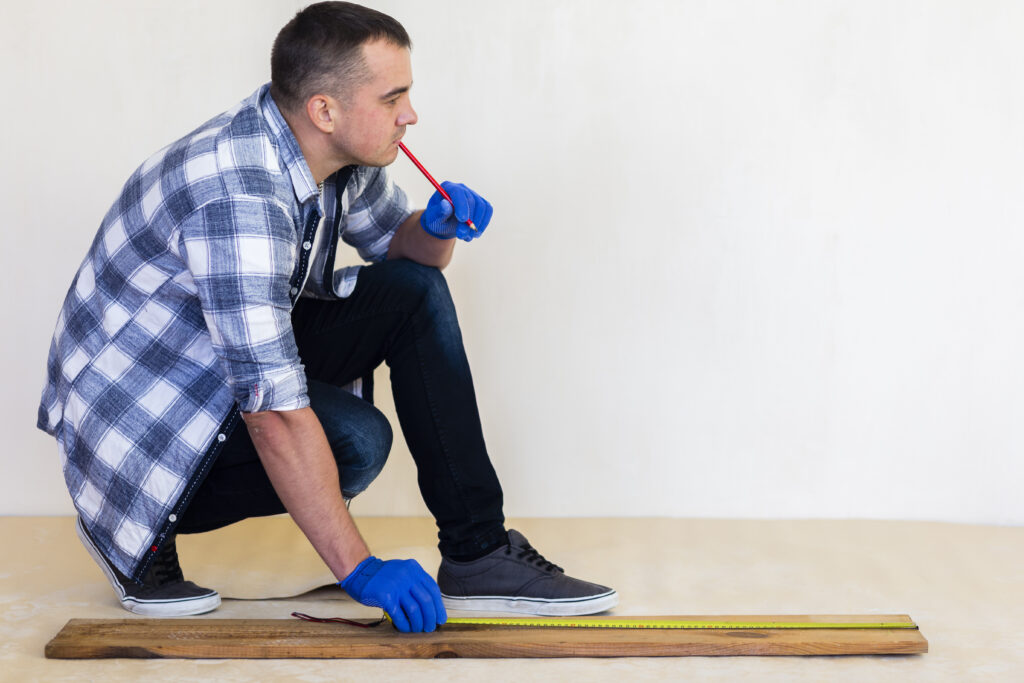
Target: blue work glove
column 401, row 587
column 439, row 221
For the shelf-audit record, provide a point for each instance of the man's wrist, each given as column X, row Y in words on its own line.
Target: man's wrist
column 413, row 242
column 432, row 231
column 358, row 577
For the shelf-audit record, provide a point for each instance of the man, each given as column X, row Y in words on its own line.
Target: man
column 209, row 298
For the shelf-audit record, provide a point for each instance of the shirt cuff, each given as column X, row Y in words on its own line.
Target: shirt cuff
column 285, row 390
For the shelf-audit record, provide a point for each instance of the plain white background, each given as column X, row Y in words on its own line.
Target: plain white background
column 748, row 259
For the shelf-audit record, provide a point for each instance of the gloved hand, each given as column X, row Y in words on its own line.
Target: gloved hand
column 401, row 587
column 439, row 221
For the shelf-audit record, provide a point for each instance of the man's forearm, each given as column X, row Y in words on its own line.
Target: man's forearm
column 412, row 242
column 294, row 451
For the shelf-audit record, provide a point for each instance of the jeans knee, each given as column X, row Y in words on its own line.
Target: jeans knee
column 426, row 284
column 373, row 441
column 359, row 435
column 366, row 454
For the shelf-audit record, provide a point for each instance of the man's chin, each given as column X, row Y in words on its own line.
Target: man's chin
column 385, row 159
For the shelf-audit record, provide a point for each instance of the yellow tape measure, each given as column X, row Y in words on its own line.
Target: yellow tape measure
column 626, row 622
column 632, row 623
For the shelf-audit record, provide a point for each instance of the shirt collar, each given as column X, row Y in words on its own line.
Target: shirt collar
column 291, row 154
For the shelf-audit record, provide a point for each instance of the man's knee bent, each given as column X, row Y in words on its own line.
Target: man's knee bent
column 359, row 435
column 364, row 454
column 425, row 284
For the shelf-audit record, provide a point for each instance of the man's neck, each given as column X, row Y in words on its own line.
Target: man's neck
column 319, row 156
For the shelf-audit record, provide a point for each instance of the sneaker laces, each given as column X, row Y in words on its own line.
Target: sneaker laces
column 165, row 567
column 530, row 554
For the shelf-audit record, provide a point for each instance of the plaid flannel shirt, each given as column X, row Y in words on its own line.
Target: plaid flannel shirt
column 180, row 315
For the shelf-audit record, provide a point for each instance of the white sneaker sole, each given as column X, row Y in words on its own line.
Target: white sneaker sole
column 565, row 607
column 151, row 608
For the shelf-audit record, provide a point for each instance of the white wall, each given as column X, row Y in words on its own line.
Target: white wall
column 748, row 259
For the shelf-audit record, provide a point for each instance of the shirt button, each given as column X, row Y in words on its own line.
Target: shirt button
column 295, row 290
column 221, row 437
column 172, row 518
column 307, row 245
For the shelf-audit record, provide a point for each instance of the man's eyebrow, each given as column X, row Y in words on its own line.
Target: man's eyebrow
column 396, row 91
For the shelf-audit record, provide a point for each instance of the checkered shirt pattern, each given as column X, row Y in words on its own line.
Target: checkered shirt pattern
column 180, row 315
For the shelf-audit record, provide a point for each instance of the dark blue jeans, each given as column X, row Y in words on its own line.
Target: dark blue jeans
column 402, row 314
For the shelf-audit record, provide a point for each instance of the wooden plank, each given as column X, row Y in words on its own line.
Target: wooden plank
column 290, row 638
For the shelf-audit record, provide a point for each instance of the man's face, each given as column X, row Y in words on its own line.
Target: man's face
column 374, row 119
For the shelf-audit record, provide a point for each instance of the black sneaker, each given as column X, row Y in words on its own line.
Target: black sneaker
column 516, row 578
column 164, row 591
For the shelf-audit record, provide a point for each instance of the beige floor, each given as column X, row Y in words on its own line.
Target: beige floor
column 963, row 584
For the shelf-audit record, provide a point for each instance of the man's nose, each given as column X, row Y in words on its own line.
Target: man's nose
column 408, row 117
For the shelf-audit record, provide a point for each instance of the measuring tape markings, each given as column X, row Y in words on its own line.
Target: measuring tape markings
column 673, row 623
column 627, row 623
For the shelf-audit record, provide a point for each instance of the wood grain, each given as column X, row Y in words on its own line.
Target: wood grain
column 290, row 638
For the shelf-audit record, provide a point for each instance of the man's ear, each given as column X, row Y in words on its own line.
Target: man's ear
column 322, row 112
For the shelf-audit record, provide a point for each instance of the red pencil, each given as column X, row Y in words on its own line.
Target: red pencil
column 437, row 186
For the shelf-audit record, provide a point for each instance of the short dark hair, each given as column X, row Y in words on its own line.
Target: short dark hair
column 320, row 51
